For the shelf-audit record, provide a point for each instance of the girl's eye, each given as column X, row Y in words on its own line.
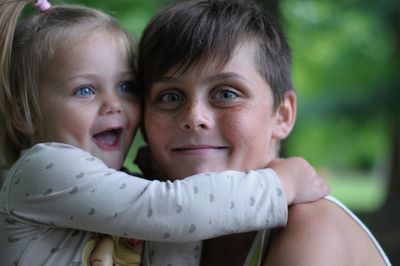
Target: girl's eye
column 84, row 91
column 126, row 87
column 225, row 95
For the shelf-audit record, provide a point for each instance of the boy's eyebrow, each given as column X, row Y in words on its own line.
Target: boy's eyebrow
column 166, row 79
column 224, row 76
column 210, row 79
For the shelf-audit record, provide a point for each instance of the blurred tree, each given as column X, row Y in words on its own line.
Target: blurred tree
column 272, row 6
column 132, row 14
column 346, row 62
column 389, row 11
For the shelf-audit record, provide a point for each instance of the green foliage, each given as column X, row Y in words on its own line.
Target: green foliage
column 363, row 192
column 343, row 62
column 130, row 158
column 132, row 14
column 337, row 47
column 339, row 143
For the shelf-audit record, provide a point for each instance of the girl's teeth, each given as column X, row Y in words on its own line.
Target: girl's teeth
column 107, row 137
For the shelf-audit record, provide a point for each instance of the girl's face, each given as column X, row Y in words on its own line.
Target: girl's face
column 215, row 118
column 87, row 99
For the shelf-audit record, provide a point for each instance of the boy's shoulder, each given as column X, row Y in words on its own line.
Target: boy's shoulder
column 321, row 231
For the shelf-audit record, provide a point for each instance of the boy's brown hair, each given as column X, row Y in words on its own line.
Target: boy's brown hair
column 188, row 33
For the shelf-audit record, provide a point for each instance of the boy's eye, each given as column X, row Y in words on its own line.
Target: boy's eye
column 170, row 98
column 84, row 91
column 225, row 95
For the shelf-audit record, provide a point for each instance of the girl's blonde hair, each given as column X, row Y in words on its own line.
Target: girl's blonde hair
column 27, row 47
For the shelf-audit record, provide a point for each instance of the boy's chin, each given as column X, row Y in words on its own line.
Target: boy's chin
column 189, row 171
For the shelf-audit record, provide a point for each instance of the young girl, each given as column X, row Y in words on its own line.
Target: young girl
column 70, row 109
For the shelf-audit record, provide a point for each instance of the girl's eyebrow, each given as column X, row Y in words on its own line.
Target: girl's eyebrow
column 122, row 73
column 80, row 76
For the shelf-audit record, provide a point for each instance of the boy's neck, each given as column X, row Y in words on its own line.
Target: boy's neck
column 227, row 250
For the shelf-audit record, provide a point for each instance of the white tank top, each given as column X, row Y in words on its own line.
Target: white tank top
column 260, row 242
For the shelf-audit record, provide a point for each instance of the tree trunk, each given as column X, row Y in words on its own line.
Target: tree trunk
column 393, row 195
column 384, row 223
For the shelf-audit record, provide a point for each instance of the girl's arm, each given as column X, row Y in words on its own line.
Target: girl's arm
column 59, row 185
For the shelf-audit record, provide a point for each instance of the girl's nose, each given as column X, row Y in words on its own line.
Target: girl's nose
column 111, row 105
column 196, row 116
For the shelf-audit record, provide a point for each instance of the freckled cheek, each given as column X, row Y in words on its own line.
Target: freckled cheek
column 238, row 125
column 246, row 132
column 158, row 127
column 236, row 130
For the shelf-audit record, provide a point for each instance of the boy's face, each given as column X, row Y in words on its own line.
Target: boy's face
column 87, row 99
column 213, row 119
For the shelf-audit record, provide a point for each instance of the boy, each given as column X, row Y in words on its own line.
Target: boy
column 219, row 96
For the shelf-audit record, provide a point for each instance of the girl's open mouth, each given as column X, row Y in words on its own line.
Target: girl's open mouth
column 109, row 139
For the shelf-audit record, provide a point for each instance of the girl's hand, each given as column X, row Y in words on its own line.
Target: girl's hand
column 102, row 255
column 300, row 180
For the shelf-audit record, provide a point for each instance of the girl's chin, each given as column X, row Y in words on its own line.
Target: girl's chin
column 114, row 164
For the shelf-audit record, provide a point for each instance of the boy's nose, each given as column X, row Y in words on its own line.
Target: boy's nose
column 196, row 116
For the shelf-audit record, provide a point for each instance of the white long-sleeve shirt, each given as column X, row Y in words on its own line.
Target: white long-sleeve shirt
column 56, row 195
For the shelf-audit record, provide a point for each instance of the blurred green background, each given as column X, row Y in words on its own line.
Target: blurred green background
column 346, row 71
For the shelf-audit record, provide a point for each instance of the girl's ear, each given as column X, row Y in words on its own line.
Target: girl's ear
column 26, row 127
column 285, row 116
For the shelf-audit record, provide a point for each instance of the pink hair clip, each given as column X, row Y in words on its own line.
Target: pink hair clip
column 43, row 5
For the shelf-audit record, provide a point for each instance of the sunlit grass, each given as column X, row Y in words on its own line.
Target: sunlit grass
column 359, row 191
column 138, row 142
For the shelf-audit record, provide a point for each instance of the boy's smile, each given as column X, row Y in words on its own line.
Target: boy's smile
column 87, row 99
column 212, row 119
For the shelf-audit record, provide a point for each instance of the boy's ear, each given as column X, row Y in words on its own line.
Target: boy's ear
column 285, row 116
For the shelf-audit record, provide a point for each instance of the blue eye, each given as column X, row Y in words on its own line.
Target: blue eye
column 85, row 91
column 171, row 97
column 225, row 95
column 126, row 87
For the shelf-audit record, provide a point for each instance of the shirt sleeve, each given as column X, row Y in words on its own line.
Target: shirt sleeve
column 58, row 185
